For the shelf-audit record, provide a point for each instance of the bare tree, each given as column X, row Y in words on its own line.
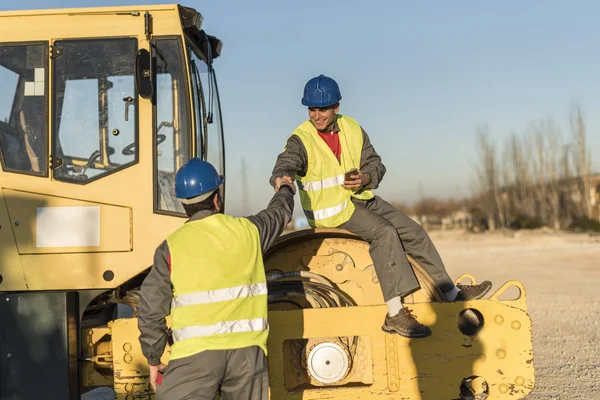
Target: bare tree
column 521, row 181
column 581, row 160
column 566, row 177
column 544, row 181
column 488, row 179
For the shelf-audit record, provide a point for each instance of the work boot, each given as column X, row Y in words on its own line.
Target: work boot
column 405, row 324
column 473, row 292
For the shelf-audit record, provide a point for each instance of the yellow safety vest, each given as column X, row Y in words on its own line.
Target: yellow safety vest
column 219, row 286
column 325, row 202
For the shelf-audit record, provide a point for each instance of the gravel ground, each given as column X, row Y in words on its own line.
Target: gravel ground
column 561, row 274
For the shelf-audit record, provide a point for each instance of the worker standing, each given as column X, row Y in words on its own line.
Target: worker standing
column 209, row 275
column 336, row 167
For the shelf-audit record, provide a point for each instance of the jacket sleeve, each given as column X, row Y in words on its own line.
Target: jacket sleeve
column 155, row 304
column 292, row 162
column 370, row 163
column 272, row 221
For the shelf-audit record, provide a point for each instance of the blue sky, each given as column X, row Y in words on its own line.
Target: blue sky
column 418, row 76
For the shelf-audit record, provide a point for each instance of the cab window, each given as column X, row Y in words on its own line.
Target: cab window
column 23, row 104
column 95, row 108
column 172, row 131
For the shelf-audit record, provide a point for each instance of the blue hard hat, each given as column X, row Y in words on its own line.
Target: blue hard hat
column 321, row 91
column 195, row 178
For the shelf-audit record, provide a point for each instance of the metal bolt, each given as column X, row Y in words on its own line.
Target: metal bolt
column 129, row 387
column 339, row 267
column 503, row 388
column 128, row 358
column 516, row 325
column 9, row 355
column 7, row 299
column 499, row 319
column 520, row 381
column 501, row 354
column 127, row 347
column 17, row 223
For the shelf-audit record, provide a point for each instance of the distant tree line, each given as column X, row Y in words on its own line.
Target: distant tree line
column 538, row 178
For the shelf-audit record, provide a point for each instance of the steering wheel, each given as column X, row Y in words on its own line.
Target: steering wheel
column 92, row 158
column 128, row 150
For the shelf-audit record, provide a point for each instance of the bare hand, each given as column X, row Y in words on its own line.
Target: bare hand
column 357, row 180
column 284, row 179
column 154, row 371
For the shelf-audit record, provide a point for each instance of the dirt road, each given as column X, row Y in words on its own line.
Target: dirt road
column 561, row 274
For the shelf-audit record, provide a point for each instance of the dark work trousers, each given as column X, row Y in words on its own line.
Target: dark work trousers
column 240, row 374
column 390, row 232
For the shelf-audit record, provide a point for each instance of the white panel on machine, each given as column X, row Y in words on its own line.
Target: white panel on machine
column 68, row 226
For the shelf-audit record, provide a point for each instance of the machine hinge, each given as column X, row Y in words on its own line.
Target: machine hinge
column 148, row 25
column 55, row 52
column 55, row 162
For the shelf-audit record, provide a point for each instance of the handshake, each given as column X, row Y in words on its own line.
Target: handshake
column 284, row 180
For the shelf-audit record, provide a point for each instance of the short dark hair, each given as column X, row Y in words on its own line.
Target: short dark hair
column 204, row 205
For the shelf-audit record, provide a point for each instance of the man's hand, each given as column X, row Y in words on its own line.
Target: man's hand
column 282, row 180
column 357, row 180
column 154, row 371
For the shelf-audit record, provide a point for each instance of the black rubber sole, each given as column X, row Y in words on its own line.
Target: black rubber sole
column 406, row 335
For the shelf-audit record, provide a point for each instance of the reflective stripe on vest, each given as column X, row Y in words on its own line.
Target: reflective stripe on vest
column 324, row 201
column 244, row 325
column 323, row 183
column 219, row 286
column 319, row 215
column 218, row 295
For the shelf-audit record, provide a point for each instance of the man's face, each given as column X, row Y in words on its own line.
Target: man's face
column 323, row 118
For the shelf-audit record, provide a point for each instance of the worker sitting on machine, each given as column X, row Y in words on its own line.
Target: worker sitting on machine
column 336, row 167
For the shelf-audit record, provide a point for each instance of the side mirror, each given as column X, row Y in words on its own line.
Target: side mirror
column 216, row 46
column 143, row 74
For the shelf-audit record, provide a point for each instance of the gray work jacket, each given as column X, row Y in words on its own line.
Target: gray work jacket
column 157, row 291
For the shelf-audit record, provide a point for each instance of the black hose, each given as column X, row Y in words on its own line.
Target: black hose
column 347, row 299
column 287, row 301
column 307, row 287
column 287, row 292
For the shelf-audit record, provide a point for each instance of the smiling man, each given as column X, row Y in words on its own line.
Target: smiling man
column 336, row 167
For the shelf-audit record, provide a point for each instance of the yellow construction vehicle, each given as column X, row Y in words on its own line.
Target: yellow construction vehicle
column 94, row 99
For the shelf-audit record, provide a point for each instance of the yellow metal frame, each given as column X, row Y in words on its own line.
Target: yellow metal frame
column 132, row 188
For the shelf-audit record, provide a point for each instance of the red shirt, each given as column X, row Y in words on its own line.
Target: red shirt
column 333, row 141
